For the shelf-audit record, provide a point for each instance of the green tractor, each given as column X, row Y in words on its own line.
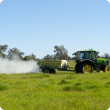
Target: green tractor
column 88, row 62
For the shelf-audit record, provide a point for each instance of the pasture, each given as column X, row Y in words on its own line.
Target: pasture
column 60, row 91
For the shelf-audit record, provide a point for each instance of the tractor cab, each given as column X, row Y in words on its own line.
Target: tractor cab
column 90, row 55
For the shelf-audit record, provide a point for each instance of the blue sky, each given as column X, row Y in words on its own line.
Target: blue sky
column 36, row 26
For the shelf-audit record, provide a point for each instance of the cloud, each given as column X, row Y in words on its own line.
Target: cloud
column 1, row 1
column 108, row 1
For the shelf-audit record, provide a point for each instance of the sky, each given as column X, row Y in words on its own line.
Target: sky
column 36, row 26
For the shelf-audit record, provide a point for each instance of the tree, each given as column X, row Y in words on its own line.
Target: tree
column 48, row 57
column 106, row 56
column 33, row 56
column 3, row 49
column 27, row 58
column 30, row 57
column 14, row 53
column 76, row 55
column 69, row 58
column 97, row 54
column 60, row 53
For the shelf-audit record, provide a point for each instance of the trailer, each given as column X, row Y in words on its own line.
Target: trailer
column 50, row 66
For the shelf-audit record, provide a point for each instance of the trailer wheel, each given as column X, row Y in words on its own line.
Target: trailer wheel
column 107, row 68
column 46, row 70
column 87, row 68
column 53, row 71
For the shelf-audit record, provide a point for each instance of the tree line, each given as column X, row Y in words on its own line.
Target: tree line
column 61, row 53
column 14, row 53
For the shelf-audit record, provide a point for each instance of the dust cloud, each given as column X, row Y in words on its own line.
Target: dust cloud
column 18, row 66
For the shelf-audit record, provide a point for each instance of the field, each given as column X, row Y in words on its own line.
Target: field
column 60, row 91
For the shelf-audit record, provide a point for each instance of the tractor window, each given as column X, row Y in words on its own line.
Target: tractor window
column 93, row 55
column 85, row 55
column 81, row 56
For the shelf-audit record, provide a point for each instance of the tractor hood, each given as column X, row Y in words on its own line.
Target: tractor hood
column 102, row 59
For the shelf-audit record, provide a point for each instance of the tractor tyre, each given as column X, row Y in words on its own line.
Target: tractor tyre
column 107, row 69
column 87, row 68
column 46, row 70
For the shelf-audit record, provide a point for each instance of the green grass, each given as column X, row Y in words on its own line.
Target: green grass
column 60, row 91
column 71, row 64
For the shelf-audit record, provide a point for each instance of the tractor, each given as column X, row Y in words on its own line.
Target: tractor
column 88, row 62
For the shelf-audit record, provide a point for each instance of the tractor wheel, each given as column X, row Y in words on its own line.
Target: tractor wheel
column 107, row 68
column 87, row 68
column 46, row 70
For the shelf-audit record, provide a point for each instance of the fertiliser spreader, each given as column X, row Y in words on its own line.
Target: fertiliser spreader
column 50, row 66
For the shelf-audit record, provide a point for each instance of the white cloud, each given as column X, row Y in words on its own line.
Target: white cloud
column 1, row 1
column 108, row 1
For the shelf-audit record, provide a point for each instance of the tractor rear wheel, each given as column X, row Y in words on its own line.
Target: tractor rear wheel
column 107, row 68
column 87, row 68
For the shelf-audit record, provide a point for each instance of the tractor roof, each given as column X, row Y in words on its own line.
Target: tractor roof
column 87, row 51
column 77, row 52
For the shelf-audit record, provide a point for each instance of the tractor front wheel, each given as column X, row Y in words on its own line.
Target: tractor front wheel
column 87, row 68
column 107, row 68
